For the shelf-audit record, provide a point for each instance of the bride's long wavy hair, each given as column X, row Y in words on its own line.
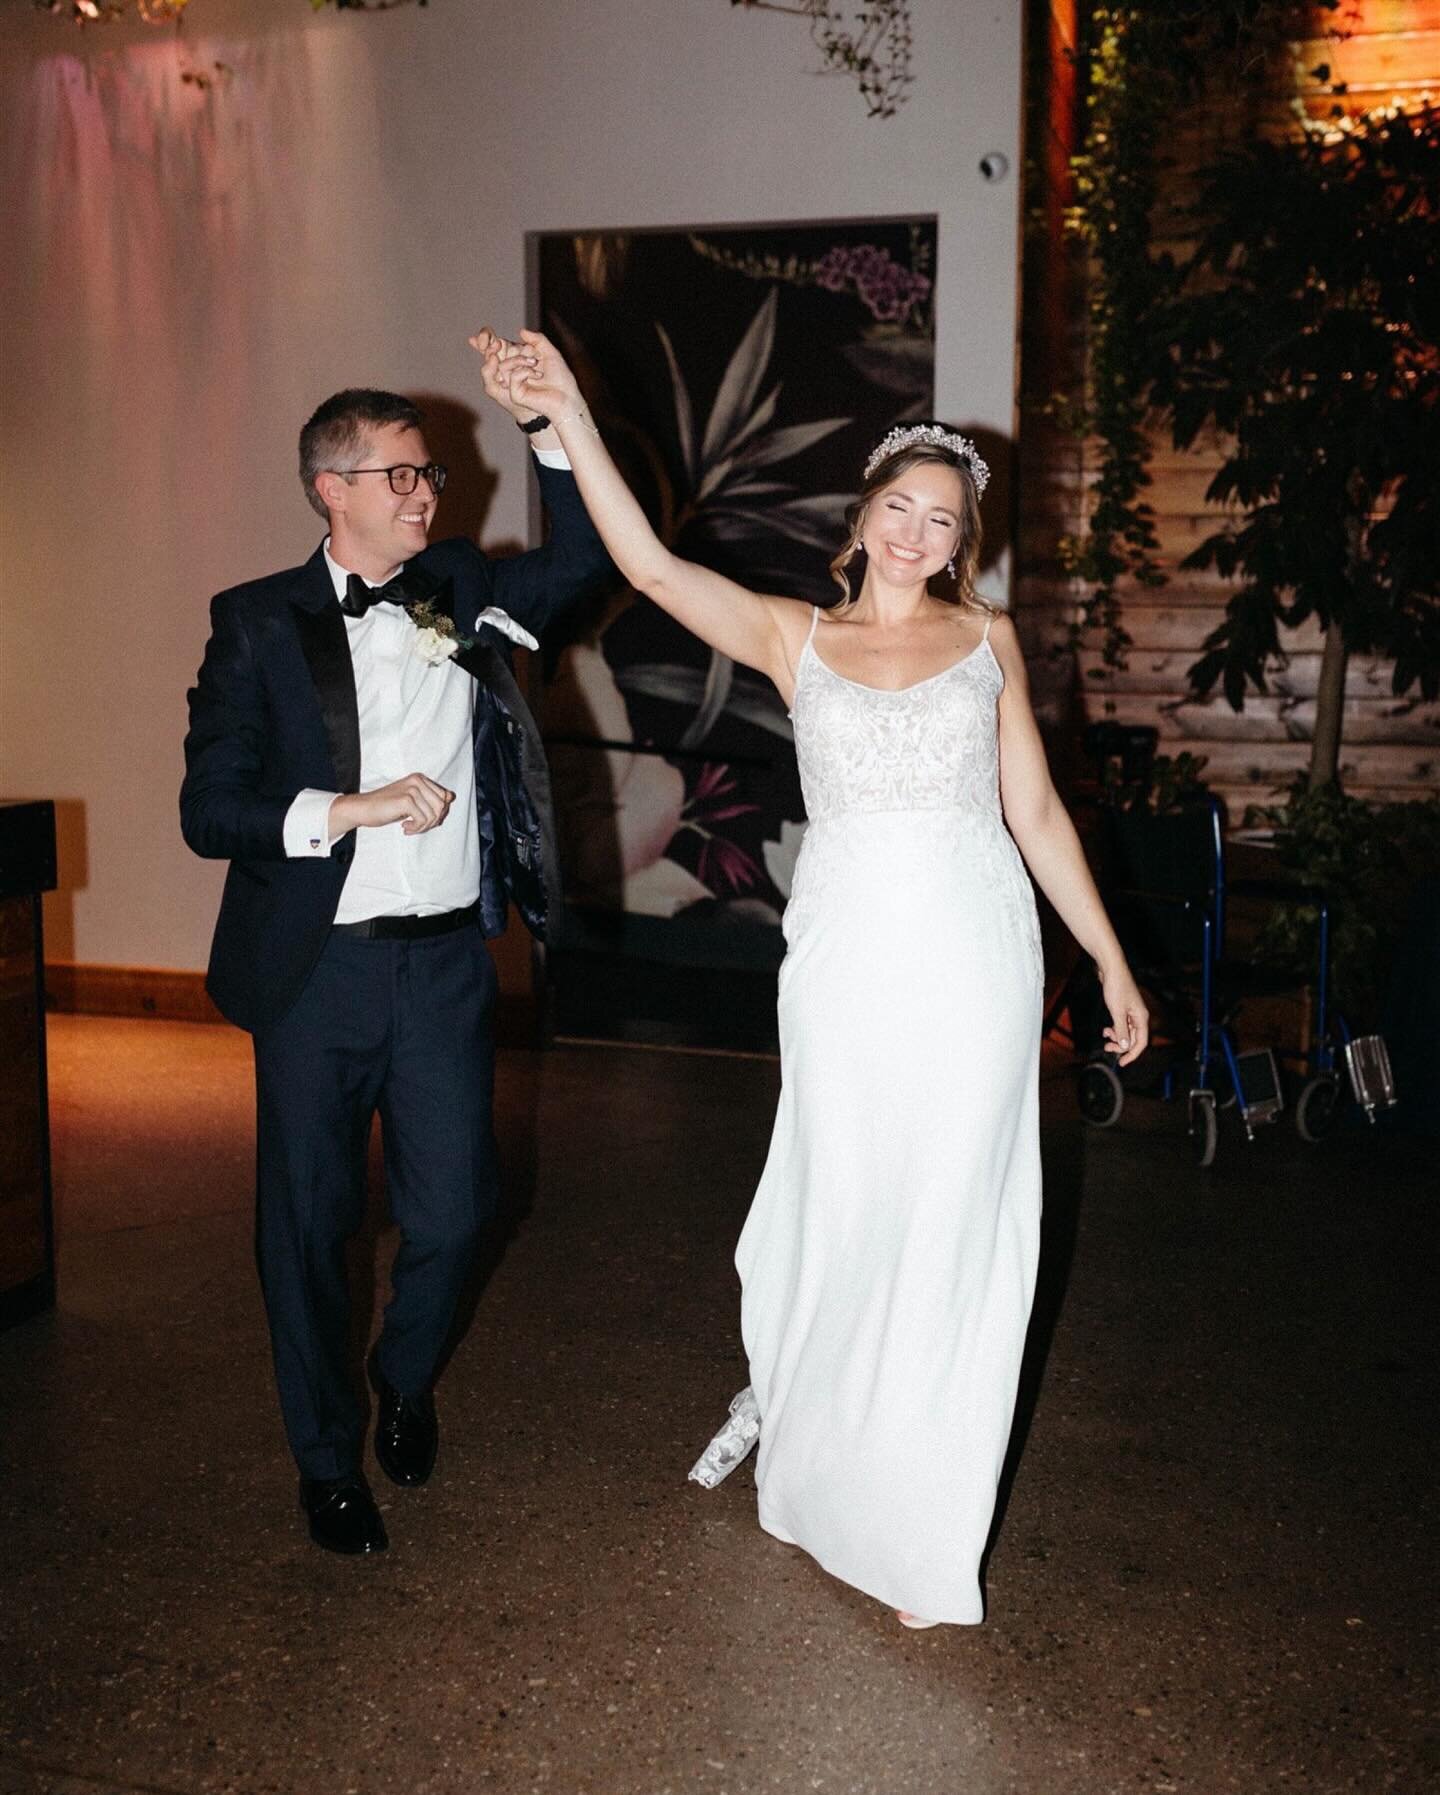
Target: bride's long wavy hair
column 967, row 549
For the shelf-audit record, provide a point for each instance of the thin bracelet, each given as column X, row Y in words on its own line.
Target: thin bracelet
column 581, row 416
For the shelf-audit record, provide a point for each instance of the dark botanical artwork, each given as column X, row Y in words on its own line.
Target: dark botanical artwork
column 741, row 377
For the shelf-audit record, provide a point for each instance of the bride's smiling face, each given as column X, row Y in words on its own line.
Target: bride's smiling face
column 912, row 525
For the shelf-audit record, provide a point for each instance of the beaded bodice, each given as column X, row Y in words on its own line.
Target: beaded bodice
column 928, row 746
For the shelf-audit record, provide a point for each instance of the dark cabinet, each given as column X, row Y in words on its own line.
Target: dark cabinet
column 27, row 1235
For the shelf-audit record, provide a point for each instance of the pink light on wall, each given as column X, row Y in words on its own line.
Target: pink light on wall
column 177, row 254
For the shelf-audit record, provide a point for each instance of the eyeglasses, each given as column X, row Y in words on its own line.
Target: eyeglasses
column 404, row 477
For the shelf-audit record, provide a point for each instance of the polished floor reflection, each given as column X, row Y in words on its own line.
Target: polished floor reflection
column 1211, row 1573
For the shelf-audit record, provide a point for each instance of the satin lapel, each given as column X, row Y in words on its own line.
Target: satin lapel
column 320, row 625
column 485, row 662
column 482, row 660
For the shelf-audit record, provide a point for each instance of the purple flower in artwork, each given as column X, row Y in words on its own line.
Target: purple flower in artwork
column 832, row 270
column 887, row 290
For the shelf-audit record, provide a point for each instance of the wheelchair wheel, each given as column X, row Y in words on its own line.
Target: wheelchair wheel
column 1204, row 1127
column 1101, row 1094
column 1317, row 1107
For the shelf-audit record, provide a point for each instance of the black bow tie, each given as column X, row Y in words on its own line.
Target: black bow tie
column 359, row 597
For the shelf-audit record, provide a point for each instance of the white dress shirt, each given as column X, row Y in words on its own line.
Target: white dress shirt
column 414, row 718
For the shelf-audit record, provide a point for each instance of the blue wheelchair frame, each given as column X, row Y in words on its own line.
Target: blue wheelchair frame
column 1217, row 1061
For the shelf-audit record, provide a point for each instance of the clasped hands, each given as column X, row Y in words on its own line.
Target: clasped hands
column 527, row 376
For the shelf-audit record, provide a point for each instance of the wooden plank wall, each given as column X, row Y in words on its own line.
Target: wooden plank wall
column 1391, row 747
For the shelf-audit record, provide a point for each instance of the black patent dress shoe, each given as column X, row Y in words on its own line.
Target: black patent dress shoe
column 342, row 1514
column 407, row 1435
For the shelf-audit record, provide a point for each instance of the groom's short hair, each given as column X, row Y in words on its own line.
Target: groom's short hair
column 334, row 436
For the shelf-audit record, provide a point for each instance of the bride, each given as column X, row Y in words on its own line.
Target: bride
column 888, row 1261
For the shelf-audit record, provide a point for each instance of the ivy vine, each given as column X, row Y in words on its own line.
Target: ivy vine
column 1140, row 64
column 871, row 43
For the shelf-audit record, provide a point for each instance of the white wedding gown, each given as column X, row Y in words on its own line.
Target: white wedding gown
column 888, row 1262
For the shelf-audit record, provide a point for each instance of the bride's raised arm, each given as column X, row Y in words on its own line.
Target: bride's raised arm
column 759, row 631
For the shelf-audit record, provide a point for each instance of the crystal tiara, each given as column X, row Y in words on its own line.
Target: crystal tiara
column 906, row 436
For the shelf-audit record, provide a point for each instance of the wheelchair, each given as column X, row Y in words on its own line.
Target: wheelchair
column 1164, row 880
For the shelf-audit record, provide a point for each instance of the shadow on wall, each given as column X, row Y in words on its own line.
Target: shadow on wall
column 450, row 434
column 72, row 854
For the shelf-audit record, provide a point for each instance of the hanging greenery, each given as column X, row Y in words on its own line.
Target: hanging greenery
column 1140, row 64
column 1301, row 330
column 1305, row 330
column 871, row 43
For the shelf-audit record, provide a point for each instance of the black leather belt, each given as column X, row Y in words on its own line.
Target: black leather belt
column 408, row 928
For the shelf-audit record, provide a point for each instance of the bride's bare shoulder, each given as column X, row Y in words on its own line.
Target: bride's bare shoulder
column 1004, row 640
column 795, row 618
column 792, row 619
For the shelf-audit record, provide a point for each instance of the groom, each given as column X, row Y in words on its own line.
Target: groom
column 359, row 751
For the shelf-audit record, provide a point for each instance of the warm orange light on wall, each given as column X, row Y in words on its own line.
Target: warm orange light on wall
column 1382, row 54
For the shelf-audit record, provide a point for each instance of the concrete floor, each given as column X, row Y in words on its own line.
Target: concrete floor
column 1213, row 1573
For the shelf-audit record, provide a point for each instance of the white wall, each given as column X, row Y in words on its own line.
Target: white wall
column 184, row 273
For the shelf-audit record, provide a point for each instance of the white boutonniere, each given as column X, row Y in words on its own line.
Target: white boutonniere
column 432, row 648
column 436, row 638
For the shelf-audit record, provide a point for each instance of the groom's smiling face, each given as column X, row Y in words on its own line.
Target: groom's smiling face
column 372, row 528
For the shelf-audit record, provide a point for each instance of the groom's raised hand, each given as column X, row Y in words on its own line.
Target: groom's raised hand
column 494, row 351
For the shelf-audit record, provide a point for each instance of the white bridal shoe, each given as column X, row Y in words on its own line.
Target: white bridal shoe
column 731, row 1445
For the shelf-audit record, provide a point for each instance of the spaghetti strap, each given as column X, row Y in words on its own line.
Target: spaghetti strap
column 989, row 619
column 809, row 649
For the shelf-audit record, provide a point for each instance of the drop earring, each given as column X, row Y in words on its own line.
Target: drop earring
column 950, row 567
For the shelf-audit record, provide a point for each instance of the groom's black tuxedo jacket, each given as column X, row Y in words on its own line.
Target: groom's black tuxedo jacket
column 273, row 711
